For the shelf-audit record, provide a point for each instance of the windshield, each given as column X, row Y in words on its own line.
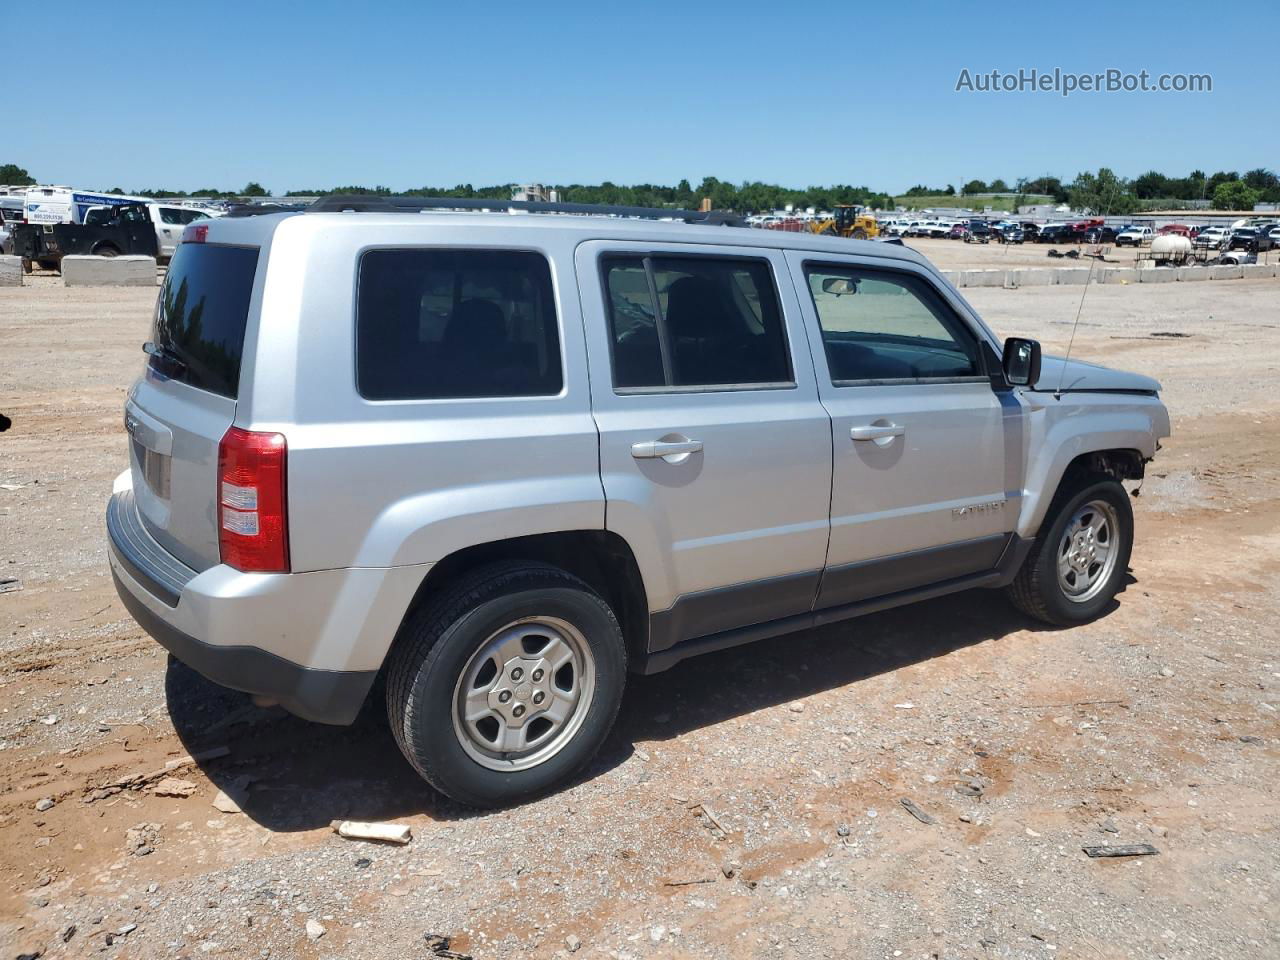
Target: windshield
column 201, row 315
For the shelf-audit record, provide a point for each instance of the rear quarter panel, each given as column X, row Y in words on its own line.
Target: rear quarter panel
column 386, row 483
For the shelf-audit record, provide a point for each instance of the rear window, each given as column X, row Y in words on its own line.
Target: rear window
column 201, row 315
column 447, row 324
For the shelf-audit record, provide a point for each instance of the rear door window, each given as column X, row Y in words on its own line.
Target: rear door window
column 201, row 314
column 694, row 322
column 440, row 324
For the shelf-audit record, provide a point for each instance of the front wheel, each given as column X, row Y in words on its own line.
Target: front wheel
column 1076, row 566
column 507, row 684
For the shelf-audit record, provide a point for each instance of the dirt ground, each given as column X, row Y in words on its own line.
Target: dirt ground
column 749, row 802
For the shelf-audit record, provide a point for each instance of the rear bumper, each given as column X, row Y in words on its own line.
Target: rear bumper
column 325, row 696
column 312, row 641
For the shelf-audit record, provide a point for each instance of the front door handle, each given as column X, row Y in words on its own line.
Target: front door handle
column 673, row 451
column 875, row 431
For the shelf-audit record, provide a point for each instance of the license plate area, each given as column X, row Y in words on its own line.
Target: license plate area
column 156, row 469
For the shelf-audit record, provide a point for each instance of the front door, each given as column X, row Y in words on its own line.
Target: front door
column 926, row 453
column 715, row 451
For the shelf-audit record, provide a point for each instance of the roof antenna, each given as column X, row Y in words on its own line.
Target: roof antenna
column 1062, row 373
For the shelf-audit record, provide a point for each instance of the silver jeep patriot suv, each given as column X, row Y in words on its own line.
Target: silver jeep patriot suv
column 505, row 458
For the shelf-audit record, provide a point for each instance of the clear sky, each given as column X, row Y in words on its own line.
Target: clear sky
column 183, row 95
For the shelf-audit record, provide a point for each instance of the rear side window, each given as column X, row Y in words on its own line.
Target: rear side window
column 441, row 324
column 694, row 322
column 201, row 314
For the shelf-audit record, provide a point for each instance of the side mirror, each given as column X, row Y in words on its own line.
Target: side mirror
column 1021, row 361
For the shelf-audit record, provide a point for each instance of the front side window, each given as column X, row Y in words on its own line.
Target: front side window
column 694, row 322
column 439, row 324
column 887, row 325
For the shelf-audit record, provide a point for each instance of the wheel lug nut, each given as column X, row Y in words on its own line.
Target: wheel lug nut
column 537, row 675
column 518, row 710
column 516, row 674
column 539, row 696
column 504, row 696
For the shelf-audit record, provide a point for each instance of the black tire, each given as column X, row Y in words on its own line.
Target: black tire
column 439, row 640
column 105, row 250
column 1036, row 590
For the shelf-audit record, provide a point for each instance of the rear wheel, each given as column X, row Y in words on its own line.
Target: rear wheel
column 1076, row 566
column 105, row 250
column 507, row 684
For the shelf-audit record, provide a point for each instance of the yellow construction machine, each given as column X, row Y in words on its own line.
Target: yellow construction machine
column 849, row 221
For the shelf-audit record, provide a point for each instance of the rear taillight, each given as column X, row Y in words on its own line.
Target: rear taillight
column 253, row 528
column 196, row 233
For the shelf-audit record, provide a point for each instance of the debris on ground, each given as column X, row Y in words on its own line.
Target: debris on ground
column 1122, row 850
column 710, row 814
column 10, row 584
column 174, row 787
column 137, row 781
column 45, row 803
column 141, row 839
column 224, row 803
column 439, row 945
column 315, row 929
column 383, row 832
column 910, row 806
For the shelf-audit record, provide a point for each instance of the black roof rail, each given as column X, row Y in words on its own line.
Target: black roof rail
column 262, row 209
column 373, row 203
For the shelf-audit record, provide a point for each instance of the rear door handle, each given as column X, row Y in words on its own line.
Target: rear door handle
column 876, row 431
column 673, row 451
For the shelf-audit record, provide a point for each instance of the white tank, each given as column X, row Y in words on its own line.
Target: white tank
column 1170, row 246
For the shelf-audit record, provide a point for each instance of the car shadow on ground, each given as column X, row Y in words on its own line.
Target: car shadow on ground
column 287, row 774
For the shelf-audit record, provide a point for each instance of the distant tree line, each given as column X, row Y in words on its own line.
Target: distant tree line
column 1102, row 192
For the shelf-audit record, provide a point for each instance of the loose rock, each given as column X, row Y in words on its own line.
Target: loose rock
column 174, row 787
column 315, row 930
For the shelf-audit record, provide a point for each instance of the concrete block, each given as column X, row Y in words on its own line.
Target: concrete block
column 1071, row 276
column 1117, row 275
column 1252, row 271
column 78, row 271
column 10, row 271
column 1158, row 275
column 1187, row 274
column 1028, row 277
column 984, row 278
column 1225, row 271
column 955, row 276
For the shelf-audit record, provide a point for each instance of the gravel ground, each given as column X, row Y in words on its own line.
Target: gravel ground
column 749, row 803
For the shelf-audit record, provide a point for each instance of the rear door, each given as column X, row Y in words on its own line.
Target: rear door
column 178, row 412
column 927, row 456
column 715, row 452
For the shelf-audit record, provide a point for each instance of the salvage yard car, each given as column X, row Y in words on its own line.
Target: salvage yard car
column 503, row 460
column 1135, row 236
